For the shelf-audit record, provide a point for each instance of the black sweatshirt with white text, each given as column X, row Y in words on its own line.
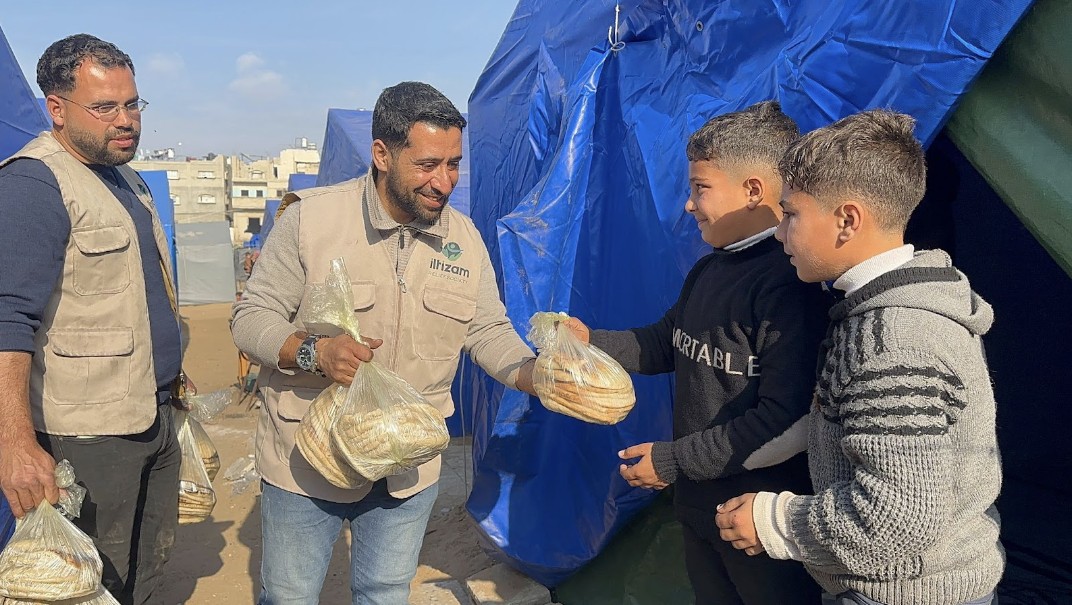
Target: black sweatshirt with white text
column 742, row 340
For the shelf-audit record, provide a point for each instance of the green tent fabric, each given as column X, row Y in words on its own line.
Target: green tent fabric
column 1015, row 125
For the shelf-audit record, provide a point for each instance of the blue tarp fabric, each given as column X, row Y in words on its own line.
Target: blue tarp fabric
column 580, row 179
column 301, row 181
column 268, row 220
column 21, row 118
column 158, row 186
column 347, row 153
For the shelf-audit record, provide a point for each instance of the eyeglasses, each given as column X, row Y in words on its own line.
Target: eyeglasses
column 110, row 111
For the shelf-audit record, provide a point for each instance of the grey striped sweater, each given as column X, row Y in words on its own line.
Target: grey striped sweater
column 902, row 447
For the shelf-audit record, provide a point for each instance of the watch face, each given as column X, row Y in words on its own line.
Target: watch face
column 304, row 357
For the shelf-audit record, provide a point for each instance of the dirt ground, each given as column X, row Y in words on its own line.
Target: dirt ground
column 217, row 561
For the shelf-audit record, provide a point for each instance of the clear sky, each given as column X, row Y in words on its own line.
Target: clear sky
column 238, row 76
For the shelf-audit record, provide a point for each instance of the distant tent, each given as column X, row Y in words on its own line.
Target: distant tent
column 268, row 220
column 301, row 181
column 165, row 208
column 347, row 153
column 206, row 263
column 21, row 118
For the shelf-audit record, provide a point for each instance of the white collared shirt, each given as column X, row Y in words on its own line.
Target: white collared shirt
column 860, row 275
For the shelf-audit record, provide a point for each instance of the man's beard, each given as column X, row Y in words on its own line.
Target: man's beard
column 409, row 201
column 98, row 152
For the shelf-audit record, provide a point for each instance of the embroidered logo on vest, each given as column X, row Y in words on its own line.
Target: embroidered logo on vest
column 452, row 250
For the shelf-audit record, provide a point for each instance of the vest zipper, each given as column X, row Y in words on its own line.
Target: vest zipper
column 401, row 291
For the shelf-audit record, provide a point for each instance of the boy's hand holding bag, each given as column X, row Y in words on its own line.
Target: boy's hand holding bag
column 575, row 378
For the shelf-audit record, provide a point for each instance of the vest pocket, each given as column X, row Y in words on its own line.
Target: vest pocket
column 290, row 408
column 85, row 367
column 102, row 265
column 444, row 321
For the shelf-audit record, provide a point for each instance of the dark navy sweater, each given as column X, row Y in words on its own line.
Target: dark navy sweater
column 742, row 341
column 34, row 229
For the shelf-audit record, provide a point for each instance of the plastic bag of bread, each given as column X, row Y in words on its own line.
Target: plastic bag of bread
column 101, row 596
column 196, row 496
column 205, row 448
column 575, row 378
column 48, row 558
column 383, row 426
column 315, row 444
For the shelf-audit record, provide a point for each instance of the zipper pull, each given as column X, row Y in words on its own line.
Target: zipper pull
column 402, row 284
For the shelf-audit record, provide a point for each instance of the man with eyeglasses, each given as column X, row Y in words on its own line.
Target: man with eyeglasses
column 89, row 334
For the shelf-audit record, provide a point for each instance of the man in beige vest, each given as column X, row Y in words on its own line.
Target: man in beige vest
column 89, row 336
column 424, row 287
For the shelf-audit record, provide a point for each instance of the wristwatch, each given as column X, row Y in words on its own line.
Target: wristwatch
column 305, row 357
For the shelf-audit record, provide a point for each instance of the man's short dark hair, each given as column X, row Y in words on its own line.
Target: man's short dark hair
column 755, row 136
column 873, row 156
column 57, row 66
column 403, row 105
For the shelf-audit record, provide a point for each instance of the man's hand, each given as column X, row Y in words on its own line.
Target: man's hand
column 340, row 356
column 27, row 475
column 578, row 329
column 736, row 525
column 641, row 474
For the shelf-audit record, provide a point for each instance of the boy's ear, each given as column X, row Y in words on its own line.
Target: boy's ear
column 756, row 189
column 380, row 155
column 849, row 220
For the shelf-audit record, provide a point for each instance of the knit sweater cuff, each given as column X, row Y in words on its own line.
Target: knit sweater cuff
column 769, row 513
column 662, row 458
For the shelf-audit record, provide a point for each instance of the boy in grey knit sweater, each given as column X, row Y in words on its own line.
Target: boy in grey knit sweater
column 901, row 443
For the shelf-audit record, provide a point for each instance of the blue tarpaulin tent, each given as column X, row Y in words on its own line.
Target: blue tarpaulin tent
column 580, row 181
column 301, row 181
column 21, row 118
column 268, row 220
column 347, row 153
column 158, row 186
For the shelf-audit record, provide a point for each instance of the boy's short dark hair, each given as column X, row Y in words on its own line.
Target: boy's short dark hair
column 754, row 136
column 60, row 61
column 403, row 105
column 872, row 155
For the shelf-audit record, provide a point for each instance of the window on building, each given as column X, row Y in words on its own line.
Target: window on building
column 205, row 198
column 172, row 175
column 175, row 199
column 206, row 174
column 279, row 192
column 244, row 193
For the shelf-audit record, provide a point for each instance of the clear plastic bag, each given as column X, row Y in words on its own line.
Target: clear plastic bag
column 196, row 496
column 205, row 448
column 315, row 443
column 384, row 426
column 48, row 558
column 241, row 474
column 99, row 597
column 205, row 408
column 575, row 378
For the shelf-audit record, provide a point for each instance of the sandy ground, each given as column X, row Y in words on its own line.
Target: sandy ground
column 217, row 561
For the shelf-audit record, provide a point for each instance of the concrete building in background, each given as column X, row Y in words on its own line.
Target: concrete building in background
column 200, row 188
column 230, row 188
column 254, row 181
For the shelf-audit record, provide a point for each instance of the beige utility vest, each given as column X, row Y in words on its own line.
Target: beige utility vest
column 423, row 325
column 92, row 371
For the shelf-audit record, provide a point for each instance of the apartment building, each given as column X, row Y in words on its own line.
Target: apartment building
column 200, row 188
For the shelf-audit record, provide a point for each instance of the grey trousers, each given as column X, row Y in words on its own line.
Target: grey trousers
column 132, row 501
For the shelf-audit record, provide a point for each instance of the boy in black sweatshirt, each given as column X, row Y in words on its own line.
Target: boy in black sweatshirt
column 742, row 340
